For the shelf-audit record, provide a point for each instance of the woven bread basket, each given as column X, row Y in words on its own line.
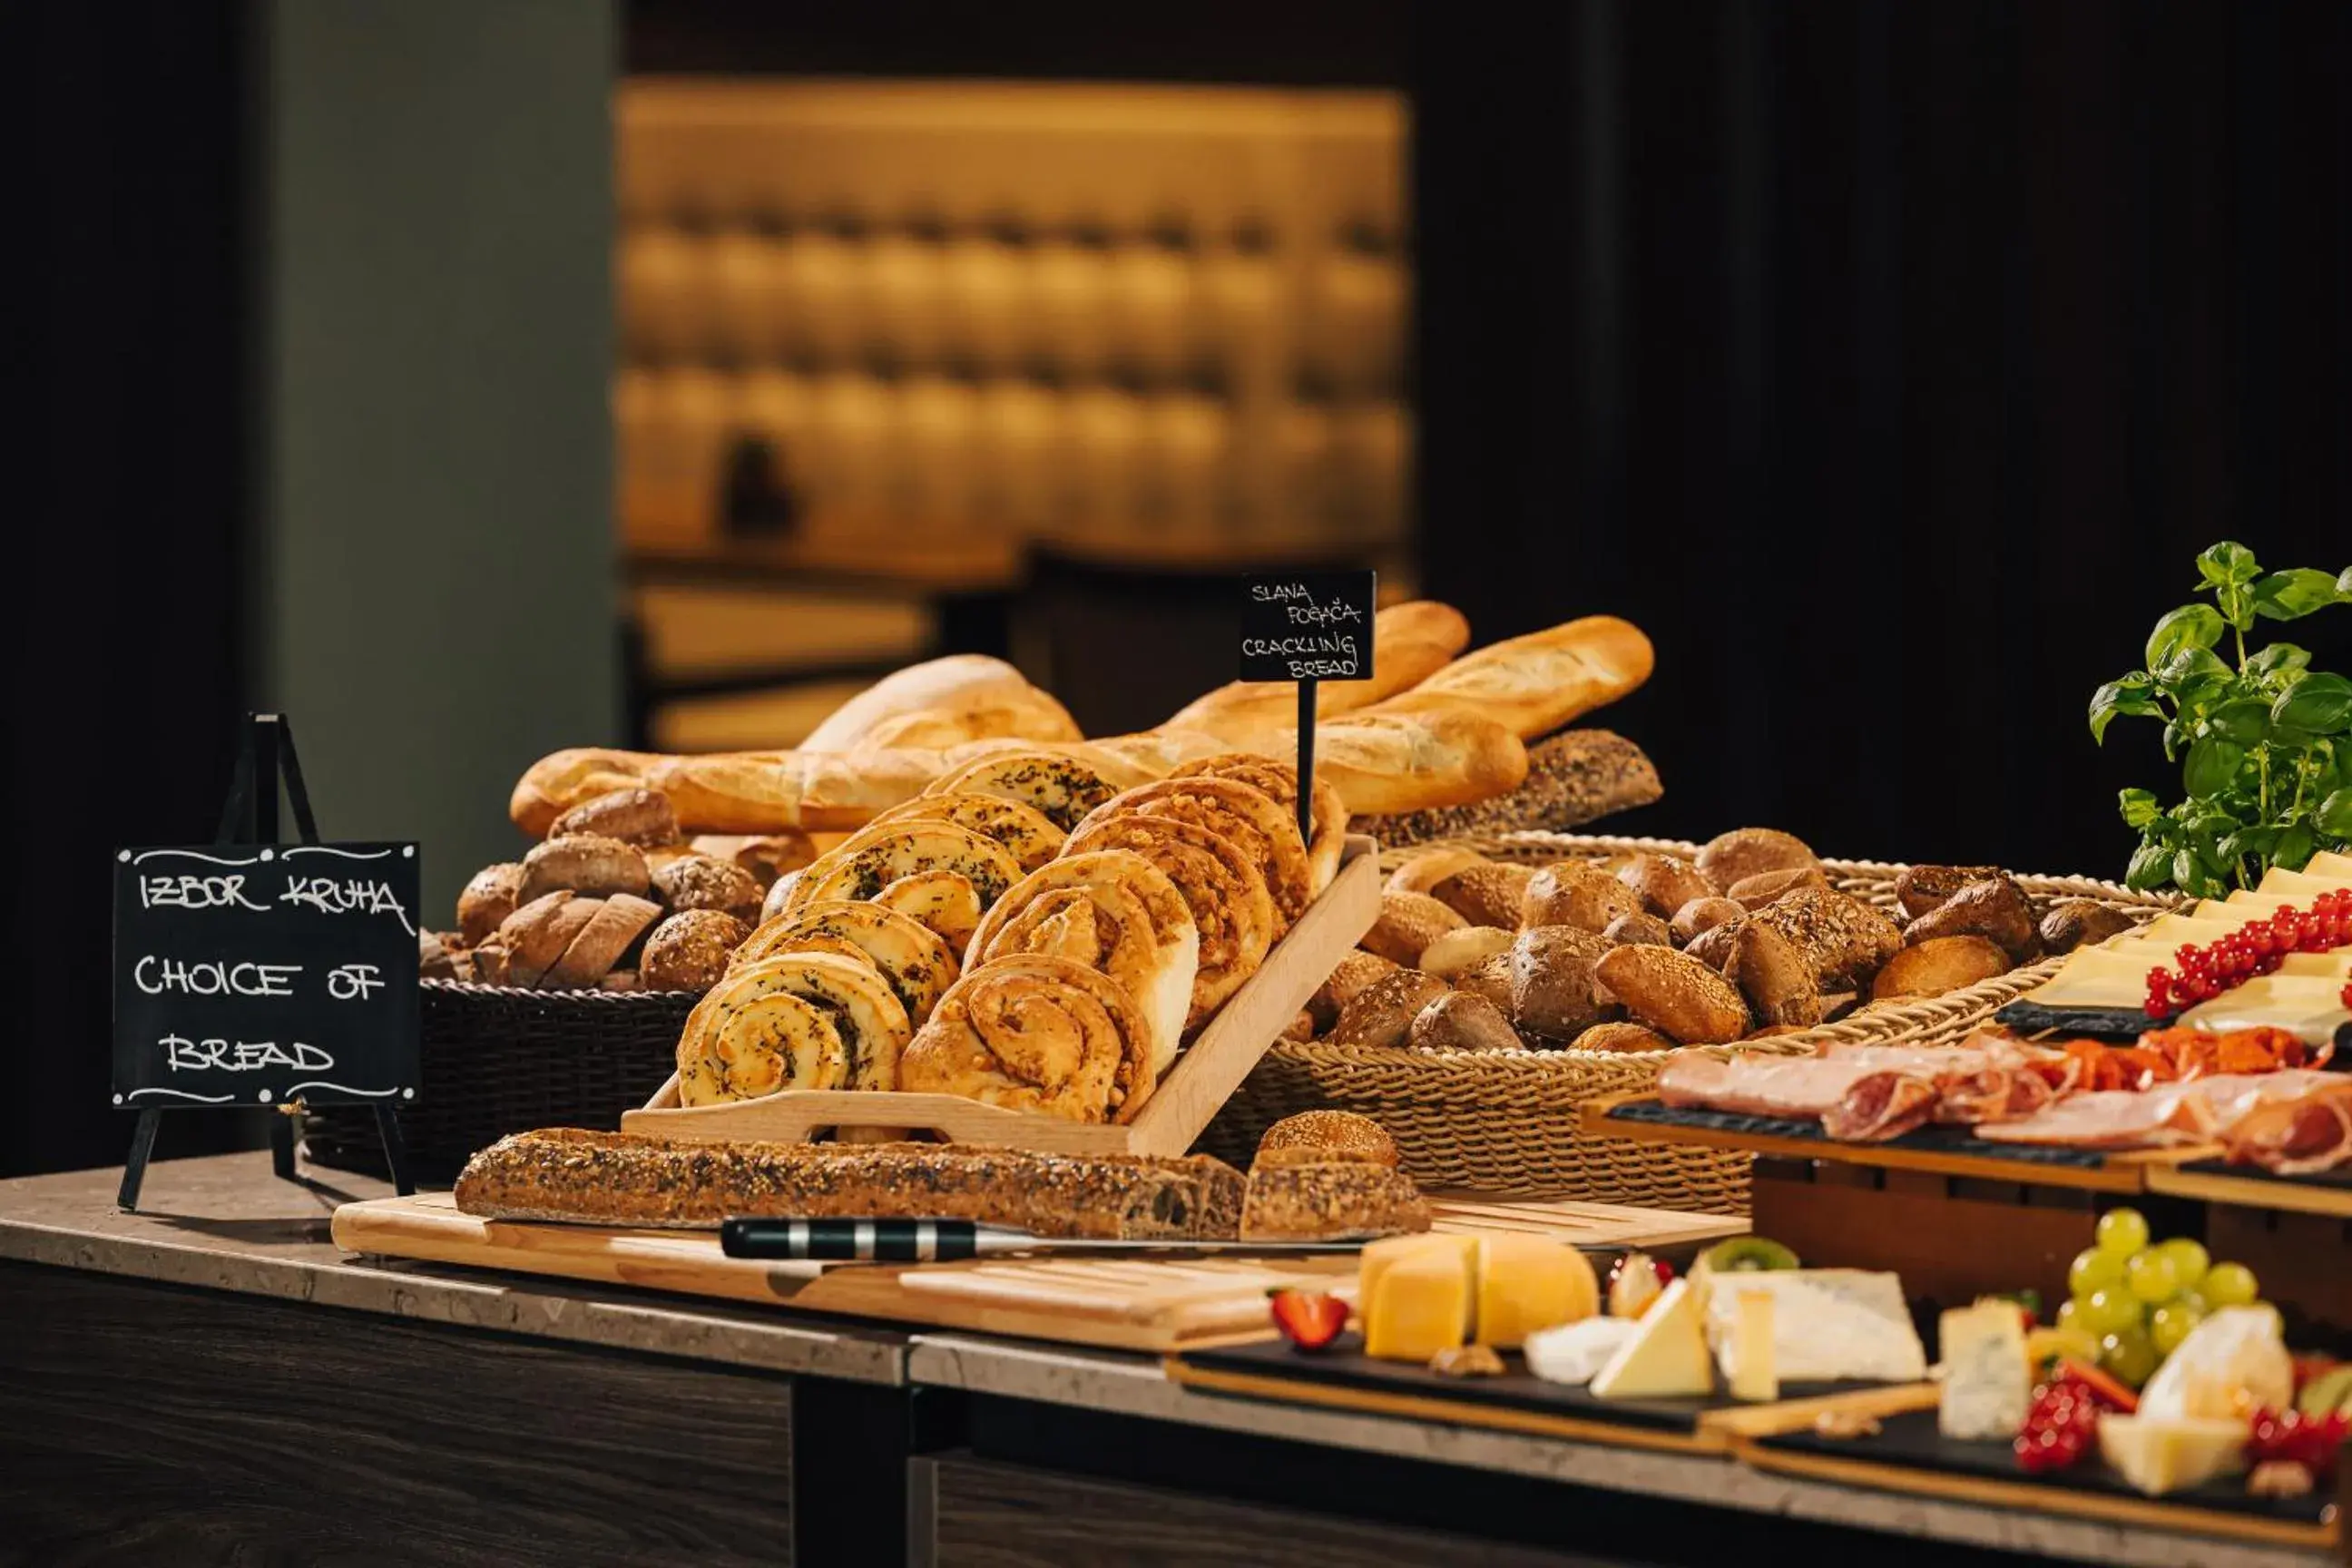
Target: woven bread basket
column 496, row 1060
column 1509, row 1124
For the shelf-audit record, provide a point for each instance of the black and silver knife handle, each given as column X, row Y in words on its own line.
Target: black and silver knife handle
column 851, row 1240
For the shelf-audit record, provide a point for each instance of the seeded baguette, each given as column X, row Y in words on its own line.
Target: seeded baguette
column 615, row 1178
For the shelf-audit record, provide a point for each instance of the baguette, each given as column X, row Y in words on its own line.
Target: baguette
column 943, row 702
column 1329, row 1201
column 1536, row 683
column 1572, row 778
column 1392, row 762
column 615, row 1178
column 1410, row 643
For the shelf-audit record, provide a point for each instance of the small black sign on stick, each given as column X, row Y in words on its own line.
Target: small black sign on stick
column 253, row 974
column 1307, row 626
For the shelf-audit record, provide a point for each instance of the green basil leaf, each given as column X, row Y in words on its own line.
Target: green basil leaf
column 2176, row 735
column 2190, row 873
column 2138, row 806
column 2334, row 816
column 2151, row 867
column 2293, row 848
column 2290, row 595
column 2249, row 841
column 2117, row 697
column 2226, row 564
column 2244, row 720
column 2316, row 704
column 2191, row 625
column 2190, row 664
column 2279, row 658
column 2343, row 585
column 2212, row 764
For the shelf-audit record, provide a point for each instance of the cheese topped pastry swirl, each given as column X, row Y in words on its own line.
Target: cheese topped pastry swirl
column 1220, row 884
column 800, row 1020
column 1032, row 1031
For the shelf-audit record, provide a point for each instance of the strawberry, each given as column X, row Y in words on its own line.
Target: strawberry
column 1309, row 1318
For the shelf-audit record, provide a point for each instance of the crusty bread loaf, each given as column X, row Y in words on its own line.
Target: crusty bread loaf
column 1410, row 642
column 1575, row 777
column 943, row 702
column 1398, row 762
column 1328, row 1201
column 614, row 1178
column 1536, row 683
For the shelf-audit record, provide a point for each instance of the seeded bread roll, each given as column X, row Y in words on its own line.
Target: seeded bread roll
column 488, row 899
column 1553, row 990
column 1743, row 852
column 1777, row 979
column 1846, row 939
column 700, row 882
column 1638, row 930
column 1382, row 1014
column 586, row 863
column 1330, row 1201
column 1408, row 923
column 1576, row 777
column 1459, row 1021
column 1355, row 971
column 1490, row 978
column 1486, row 894
column 1320, row 1137
column 1663, row 882
column 614, row 1178
column 1703, row 915
column 1622, row 1037
column 1457, row 951
column 1674, row 994
column 688, row 951
column 639, row 816
column 1574, row 894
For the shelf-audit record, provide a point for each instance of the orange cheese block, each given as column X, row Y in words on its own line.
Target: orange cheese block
column 1527, row 1284
column 1417, row 1299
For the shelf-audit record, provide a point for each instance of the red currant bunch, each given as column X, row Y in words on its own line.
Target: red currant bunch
column 2256, row 948
column 2291, row 1435
column 2060, row 1425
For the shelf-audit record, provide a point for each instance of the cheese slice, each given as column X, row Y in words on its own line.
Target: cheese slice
column 1987, row 1385
column 2305, row 883
column 1747, row 1357
column 2328, row 864
column 1829, row 1325
column 2164, row 1453
column 1667, row 1358
column 1528, row 1283
column 2308, row 1006
column 1418, row 1303
column 2175, row 929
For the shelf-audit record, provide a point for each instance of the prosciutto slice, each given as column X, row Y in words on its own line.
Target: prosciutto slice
column 2298, row 1135
column 1807, row 1087
column 2113, row 1119
column 1881, row 1106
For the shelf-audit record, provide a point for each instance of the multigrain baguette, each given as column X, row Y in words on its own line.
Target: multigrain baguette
column 1575, row 777
column 614, row 1178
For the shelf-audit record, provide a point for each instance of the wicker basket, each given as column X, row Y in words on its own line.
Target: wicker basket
column 496, row 1060
column 1509, row 1122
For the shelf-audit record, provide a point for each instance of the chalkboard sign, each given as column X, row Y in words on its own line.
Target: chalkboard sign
column 253, row 975
column 1308, row 626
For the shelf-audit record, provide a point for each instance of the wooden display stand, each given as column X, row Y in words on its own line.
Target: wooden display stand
column 1180, row 1109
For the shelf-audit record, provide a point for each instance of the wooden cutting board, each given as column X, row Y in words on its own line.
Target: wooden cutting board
column 1140, row 1301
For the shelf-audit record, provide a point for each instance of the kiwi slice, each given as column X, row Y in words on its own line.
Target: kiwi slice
column 2329, row 1391
column 1747, row 1253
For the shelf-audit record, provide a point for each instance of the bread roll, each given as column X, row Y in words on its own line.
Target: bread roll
column 1410, row 642
column 1035, row 1032
column 535, row 935
column 1575, row 777
column 1996, row 908
column 767, row 856
column 1225, row 890
column 488, row 899
column 1702, row 915
column 1622, row 1037
column 1489, row 977
column 1674, row 994
column 1114, row 911
column 689, row 952
column 1663, row 883
column 1381, row 1014
column 1327, row 811
column 1407, row 924
column 584, row 863
column 1634, row 931
column 638, row 817
column 700, row 882
column 1459, row 1021
column 2072, row 923
column 1457, row 951
column 1554, row 990
column 942, row 702
column 911, row 958
column 613, row 1178
column 1777, row 979
column 1919, row 889
column 1770, row 887
column 1354, row 970
column 1250, row 817
column 1318, row 1137
column 1423, row 872
column 1575, row 893
column 1846, row 939
column 616, row 923
column 798, row 1020
column 1749, row 851
column 1536, row 683
column 1493, row 893
column 1939, row 965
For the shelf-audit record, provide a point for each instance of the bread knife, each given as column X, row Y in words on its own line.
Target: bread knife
column 945, row 1241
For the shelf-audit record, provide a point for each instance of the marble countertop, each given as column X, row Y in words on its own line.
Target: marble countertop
column 225, row 1223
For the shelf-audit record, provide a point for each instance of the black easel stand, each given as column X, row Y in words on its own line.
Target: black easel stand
column 264, row 754
column 1307, row 760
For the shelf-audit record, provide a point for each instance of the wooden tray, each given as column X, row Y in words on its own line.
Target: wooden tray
column 2327, row 1192
column 1910, row 1455
column 1186, row 1100
column 1136, row 1302
column 1342, row 1377
column 1943, row 1151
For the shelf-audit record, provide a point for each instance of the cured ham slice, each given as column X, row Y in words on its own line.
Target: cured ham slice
column 1881, row 1106
column 2296, row 1136
column 2112, row 1118
column 1992, row 1068
column 1995, row 1094
column 1760, row 1086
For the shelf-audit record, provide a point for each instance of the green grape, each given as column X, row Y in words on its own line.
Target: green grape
column 2194, row 1300
column 2229, row 1285
column 2153, row 1275
column 2169, row 1324
column 2069, row 1315
column 2122, row 1232
column 2093, row 1269
column 2128, row 1355
column 2189, row 1259
column 2109, row 1311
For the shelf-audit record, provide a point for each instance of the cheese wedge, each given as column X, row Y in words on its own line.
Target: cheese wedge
column 1529, row 1283
column 1377, row 1256
column 1419, row 1303
column 1829, row 1325
column 1748, row 1365
column 2164, row 1453
column 1667, row 1358
column 1987, row 1385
